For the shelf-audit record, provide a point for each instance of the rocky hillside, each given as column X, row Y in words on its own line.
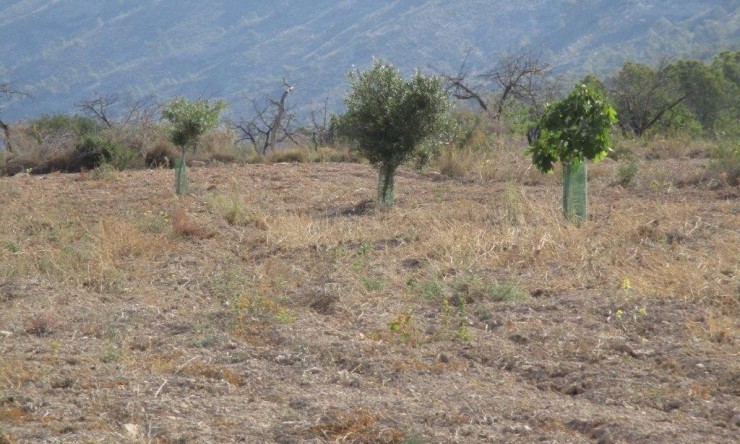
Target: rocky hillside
column 60, row 52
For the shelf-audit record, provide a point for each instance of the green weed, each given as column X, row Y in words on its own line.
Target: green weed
column 626, row 172
column 373, row 284
column 432, row 289
column 506, row 292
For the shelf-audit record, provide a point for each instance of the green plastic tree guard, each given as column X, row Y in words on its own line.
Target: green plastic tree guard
column 181, row 178
column 575, row 191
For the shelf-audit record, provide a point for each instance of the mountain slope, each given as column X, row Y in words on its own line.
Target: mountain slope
column 61, row 52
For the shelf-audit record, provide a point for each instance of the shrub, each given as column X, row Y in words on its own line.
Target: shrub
column 218, row 145
column 454, row 163
column 94, row 151
column 161, row 154
column 72, row 125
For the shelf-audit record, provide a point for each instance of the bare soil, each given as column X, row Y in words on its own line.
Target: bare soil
column 276, row 303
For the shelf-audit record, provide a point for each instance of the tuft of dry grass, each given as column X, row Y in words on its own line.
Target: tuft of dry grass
column 335, row 154
column 294, row 154
column 200, row 368
column 502, row 160
column 235, row 211
column 358, row 425
column 184, row 225
column 42, row 324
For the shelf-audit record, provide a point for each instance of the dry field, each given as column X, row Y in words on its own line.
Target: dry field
column 276, row 304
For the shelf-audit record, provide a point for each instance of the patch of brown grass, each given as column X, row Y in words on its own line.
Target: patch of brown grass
column 42, row 324
column 236, row 212
column 200, row 368
column 184, row 225
column 359, row 425
column 14, row 414
column 335, row 154
column 294, row 154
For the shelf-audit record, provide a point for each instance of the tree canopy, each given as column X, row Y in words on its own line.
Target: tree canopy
column 574, row 130
column 191, row 119
column 389, row 117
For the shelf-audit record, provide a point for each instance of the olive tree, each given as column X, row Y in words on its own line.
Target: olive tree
column 389, row 118
column 573, row 131
column 189, row 121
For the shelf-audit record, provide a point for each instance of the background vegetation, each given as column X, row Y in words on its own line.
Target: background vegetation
column 686, row 108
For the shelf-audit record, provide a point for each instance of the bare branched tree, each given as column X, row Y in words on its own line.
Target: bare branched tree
column 6, row 92
column 98, row 107
column 457, row 85
column 521, row 76
column 272, row 123
column 101, row 107
column 319, row 125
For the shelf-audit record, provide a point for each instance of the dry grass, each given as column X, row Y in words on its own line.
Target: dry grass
column 276, row 303
column 184, row 225
column 498, row 159
column 293, row 154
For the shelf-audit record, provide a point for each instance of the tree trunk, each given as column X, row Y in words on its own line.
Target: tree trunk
column 275, row 127
column 386, row 182
column 6, row 136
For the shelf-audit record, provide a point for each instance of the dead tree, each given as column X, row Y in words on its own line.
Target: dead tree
column 6, row 136
column 319, row 128
column 279, row 114
column 271, row 123
column 643, row 95
column 521, row 76
column 141, row 111
column 100, row 107
column 5, row 93
column 458, row 87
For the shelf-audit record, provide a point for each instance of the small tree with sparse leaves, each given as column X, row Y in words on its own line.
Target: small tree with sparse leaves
column 573, row 131
column 189, row 121
column 389, row 118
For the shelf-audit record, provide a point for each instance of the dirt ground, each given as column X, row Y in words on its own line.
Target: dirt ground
column 275, row 303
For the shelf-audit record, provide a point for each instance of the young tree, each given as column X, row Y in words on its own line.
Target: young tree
column 189, row 121
column 389, row 117
column 573, row 131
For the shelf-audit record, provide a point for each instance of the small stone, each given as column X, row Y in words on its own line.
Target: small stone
column 5, row 333
column 736, row 420
column 132, row 430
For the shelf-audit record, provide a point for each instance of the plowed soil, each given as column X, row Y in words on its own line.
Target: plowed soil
column 277, row 303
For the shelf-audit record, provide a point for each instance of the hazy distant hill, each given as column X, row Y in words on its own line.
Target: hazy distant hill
column 62, row 51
